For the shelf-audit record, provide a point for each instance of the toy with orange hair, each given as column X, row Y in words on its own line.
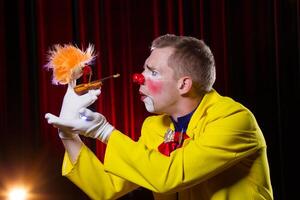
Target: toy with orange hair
column 69, row 63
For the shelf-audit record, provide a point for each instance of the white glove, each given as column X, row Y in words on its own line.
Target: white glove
column 71, row 105
column 90, row 124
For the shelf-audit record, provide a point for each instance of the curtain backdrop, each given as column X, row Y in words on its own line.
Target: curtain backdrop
column 256, row 47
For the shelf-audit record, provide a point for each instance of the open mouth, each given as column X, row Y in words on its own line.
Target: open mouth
column 143, row 96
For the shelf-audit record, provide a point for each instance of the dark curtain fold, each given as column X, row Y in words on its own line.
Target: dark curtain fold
column 256, row 47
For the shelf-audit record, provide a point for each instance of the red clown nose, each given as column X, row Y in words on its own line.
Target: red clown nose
column 138, row 78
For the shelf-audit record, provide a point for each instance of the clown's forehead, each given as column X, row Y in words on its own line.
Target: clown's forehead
column 158, row 58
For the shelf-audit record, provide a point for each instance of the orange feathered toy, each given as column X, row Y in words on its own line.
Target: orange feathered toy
column 69, row 63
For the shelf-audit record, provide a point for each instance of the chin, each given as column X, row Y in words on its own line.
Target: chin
column 153, row 111
column 150, row 110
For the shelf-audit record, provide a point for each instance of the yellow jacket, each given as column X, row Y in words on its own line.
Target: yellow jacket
column 224, row 158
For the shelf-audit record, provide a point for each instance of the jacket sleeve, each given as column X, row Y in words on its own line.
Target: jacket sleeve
column 226, row 137
column 88, row 174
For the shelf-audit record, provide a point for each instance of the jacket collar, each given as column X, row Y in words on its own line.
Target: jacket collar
column 208, row 100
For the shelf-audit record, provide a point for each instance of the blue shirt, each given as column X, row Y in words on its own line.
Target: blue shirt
column 182, row 122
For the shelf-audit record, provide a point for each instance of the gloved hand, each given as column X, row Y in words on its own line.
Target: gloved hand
column 90, row 124
column 71, row 105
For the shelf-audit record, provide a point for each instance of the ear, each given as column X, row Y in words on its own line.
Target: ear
column 185, row 84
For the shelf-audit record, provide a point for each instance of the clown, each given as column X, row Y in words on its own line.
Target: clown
column 198, row 145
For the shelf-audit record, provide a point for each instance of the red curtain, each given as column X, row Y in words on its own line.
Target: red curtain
column 255, row 43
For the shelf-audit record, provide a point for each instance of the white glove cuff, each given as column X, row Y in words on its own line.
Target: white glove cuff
column 100, row 132
column 103, row 135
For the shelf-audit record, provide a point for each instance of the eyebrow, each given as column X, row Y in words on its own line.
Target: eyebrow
column 148, row 67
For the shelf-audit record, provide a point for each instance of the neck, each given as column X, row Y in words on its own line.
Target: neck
column 185, row 106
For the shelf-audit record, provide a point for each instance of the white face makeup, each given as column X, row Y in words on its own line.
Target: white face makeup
column 149, row 104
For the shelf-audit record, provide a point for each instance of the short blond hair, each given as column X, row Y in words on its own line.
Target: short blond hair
column 191, row 57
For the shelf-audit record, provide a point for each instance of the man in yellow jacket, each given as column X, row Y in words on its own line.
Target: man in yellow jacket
column 199, row 146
